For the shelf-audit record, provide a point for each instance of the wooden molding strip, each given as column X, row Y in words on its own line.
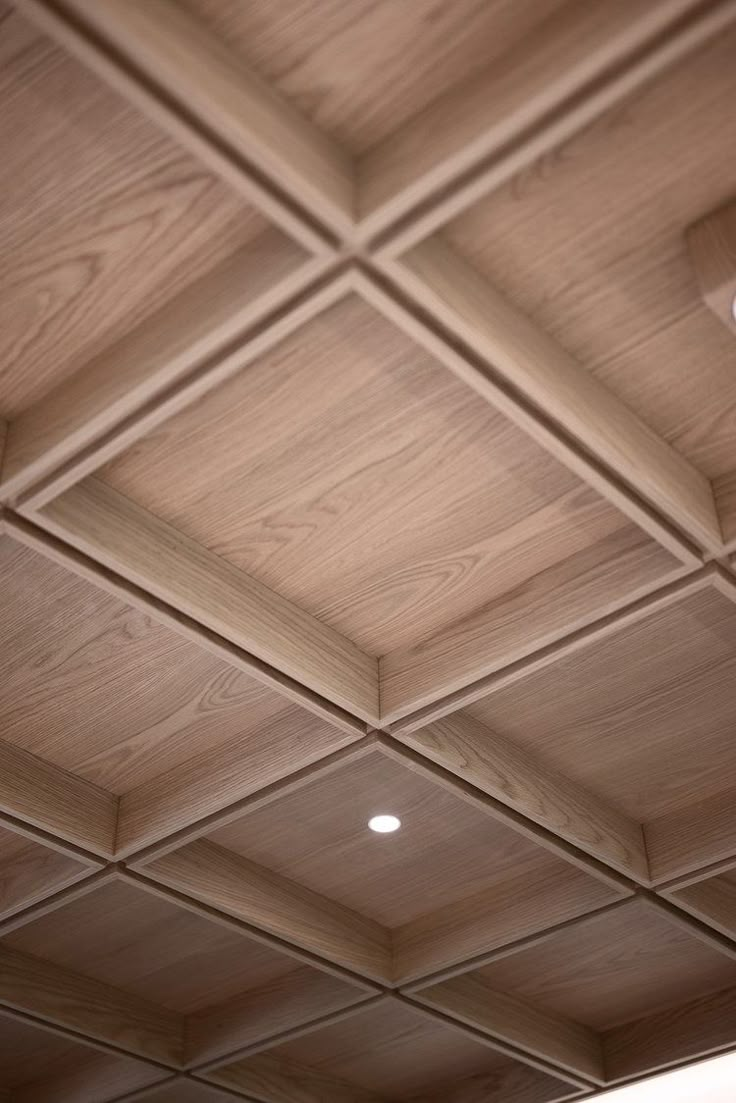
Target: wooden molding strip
column 113, row 530
column 256, row 895
column 85, row 455
column 233, row 788
column 89, row 1007
column 554, row 82
column 443, row 189
column 283, row 1008
column 58, row 898
column 22, row 530
column 101, row 1078
column 175, row 53
column 549, row 377
column 230, row 156
column 713, row 901
column 195, row 329
column 271, row 1079
column 691, row 838
column 560, row 1041
column 673, row 1037
column 506, row 913
column 27, row 880
column 58, row 802
column 497, row 767
column 661, row 598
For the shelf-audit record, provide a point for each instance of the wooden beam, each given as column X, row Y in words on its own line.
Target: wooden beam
column 271, row 1079
column 691, row 838
column 175, row 54
column 98, row 1077
column 713, row 901
column 187, row 800
column 553, row 83
column 712, row 245
column 562, row 1042
column 33, row 872
column 90, row 883
column 672, row 1037
column 172, row 70
column 86, row 567
column 511, row 775
column 550, row 379
column 272, row 903
column 437, row 945
column 89, row 1007
column 203, row 329
column 153, row 555
column 58, row 802
column 286, row 1005
column 634, row 612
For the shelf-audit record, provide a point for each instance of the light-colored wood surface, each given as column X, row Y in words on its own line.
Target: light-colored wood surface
column 270, row 480
column 500, row 768
column 445, row 851
column 712, row 246
column 336, row 504
column 642, row 717
column 188, row 964
column 609, row 275
column 163, row 560
column 29, row 871
column 104, row 217
column 276, row 904
column 640, row 964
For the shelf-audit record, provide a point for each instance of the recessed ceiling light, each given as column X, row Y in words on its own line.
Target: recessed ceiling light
column 384, row 825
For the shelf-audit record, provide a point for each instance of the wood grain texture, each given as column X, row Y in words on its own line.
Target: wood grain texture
column 207, row 782
column 105, row 219
column 148, row 947
column 560, row 387
column 390, row 503
column 447, row 848
column 511, row 910
column 628, row 306
column 176, row 53
column 610, row 969
column 89, row 1007
column 696, row 1029
column 713, row 900
column 686, row 839
column 56, row 801
column 37, row 1066
column 188, row 331
column 151, row 699
column 712, row 246
column 557, row 1039
column 255, row 895
column 552, row 65
column 164, row 561
column 30, row 871
column 642, row 716
column 274, row 1080
column 397, row 1053
column 290, row 1001
column 503, row 770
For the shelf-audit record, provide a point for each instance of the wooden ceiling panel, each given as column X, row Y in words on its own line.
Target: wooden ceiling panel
column 99, row 688
column 609, row 275
column 128, row 938
column 359, row 70
column 29, row 871
column 390, row 503
column 446, row 850
column 392, row 1053
column 605, row 970
column 105, row 218
column 643, row 716
column 37, row 1066
column 335, row 483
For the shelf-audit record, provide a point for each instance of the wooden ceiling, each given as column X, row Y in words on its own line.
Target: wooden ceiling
column 367, row 446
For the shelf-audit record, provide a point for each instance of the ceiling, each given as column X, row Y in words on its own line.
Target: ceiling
column 367, row 421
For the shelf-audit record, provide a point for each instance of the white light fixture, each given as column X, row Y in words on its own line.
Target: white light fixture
column 712, row 1081
column 384, row 825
